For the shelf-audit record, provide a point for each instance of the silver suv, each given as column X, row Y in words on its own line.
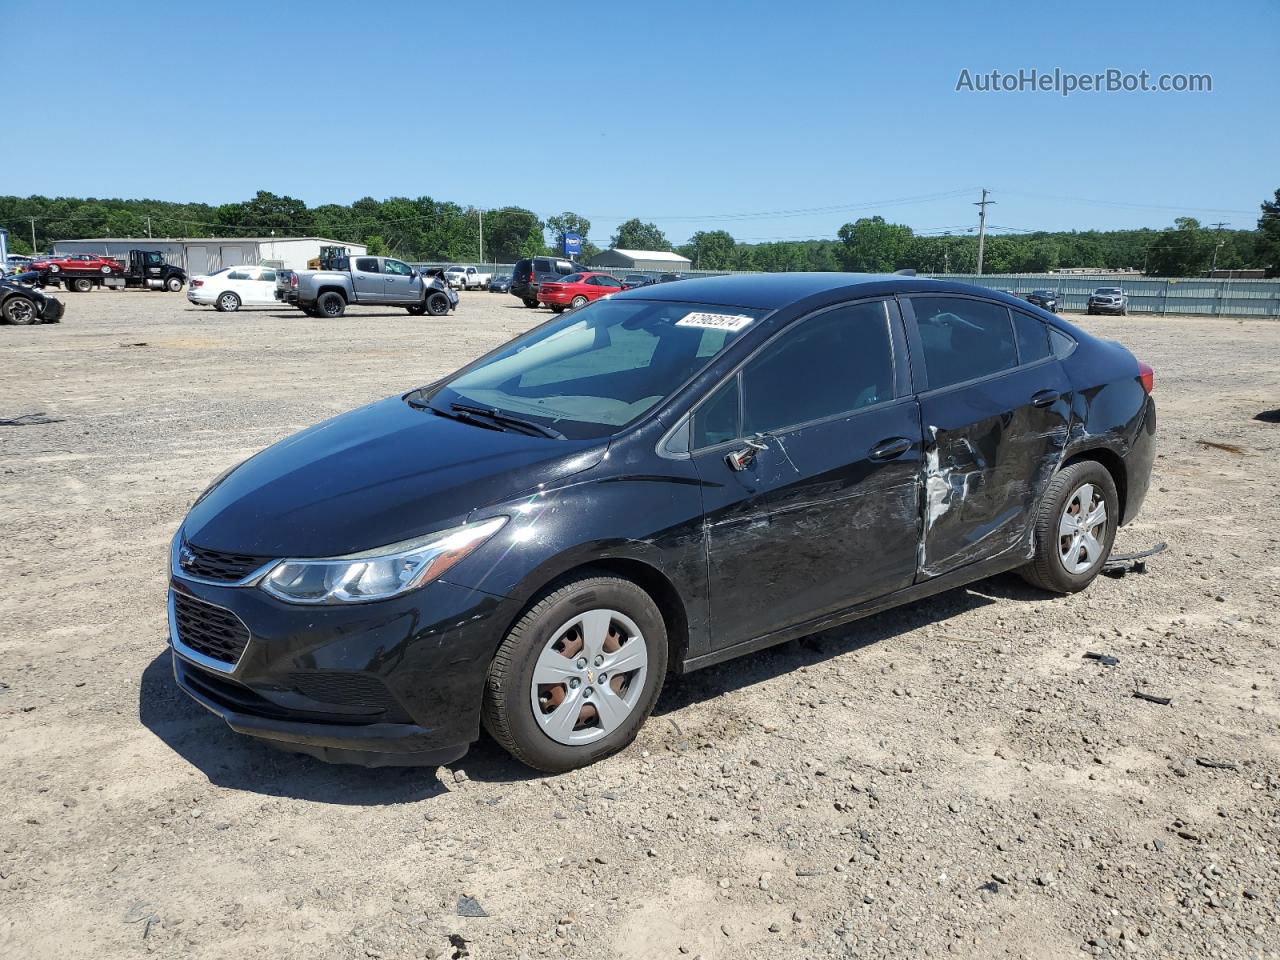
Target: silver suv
column 1108, row 300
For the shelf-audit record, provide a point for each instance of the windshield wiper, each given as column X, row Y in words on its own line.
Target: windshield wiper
column 506, row 419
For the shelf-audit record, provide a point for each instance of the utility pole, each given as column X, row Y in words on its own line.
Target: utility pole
column 148, row 228
column 480, row 210
column 982, row 224
column 1217, row 246
column 33, row 235
column 946, row 253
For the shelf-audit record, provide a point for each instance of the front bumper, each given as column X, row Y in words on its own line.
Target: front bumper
column 393, row 683
column 52, row 310
column 1105, row 307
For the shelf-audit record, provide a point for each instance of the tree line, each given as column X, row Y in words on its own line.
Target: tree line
column 426, row 229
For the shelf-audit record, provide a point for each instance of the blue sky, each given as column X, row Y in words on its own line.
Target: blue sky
column 688, row 114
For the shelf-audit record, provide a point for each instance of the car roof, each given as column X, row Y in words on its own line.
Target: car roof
column 769, row 291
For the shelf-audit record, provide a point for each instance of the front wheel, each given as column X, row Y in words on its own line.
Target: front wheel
column 437, row 304
column 173, row 284
column 20, row 310
column 578, row 675
column 1075, row 528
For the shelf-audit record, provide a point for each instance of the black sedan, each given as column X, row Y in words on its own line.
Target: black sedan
column 500, row 283
column 663, row 480
column 22, row 303
column 1045, row 299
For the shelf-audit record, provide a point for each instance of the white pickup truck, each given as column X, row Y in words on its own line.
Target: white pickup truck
column 467, row 278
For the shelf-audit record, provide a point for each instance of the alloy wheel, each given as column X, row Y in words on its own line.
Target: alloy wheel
column 589, row 677
column 1082, row 529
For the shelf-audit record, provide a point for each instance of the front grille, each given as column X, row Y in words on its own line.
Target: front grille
column 216, row 565
column 207, row 629
column 350, row 689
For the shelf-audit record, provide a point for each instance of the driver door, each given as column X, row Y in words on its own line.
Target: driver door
column 398, row 281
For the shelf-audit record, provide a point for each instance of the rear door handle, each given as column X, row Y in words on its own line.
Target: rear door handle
column 1045, row 398
column 888, row 449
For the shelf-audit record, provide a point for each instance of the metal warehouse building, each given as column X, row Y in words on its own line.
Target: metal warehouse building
column 202, row 255
column 660, row 260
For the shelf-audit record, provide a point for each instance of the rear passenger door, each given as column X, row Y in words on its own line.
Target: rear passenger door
column 995, row 407
column 366, row 278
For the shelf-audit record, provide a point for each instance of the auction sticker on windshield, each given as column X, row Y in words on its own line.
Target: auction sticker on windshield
column 715, row 321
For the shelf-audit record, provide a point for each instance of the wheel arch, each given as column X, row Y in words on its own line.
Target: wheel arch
column 1114, row 465
column 645, row 575
column 333, row 288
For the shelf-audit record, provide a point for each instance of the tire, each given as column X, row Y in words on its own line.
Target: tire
column 578, row 302
column 331, row 305
column 1124, row 311
column 1053, row 568
column 104, row 270
column 80, row 285
column 173, row 284
column 508, row 712
column 437, row 304
column 18, row 309
column 530, row 303
column 557, row 309
column 227, row 302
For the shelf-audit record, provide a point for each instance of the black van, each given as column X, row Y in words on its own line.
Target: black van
column 531, row 271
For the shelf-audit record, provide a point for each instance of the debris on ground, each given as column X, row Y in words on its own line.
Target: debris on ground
column 1117, row 565
column 1103, row 658
column 1227, row 447
column 29, row 420
column 1217, row 764
column 470, row 907
column 1153, row 698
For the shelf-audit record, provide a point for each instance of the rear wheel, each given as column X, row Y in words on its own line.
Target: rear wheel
column 227, row 302
column 578, row 302
column 18, row 309
column 82, row 285
column 1075, row 528
column 578, row 675
column 331, row 305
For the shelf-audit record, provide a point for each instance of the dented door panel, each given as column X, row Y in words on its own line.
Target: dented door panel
column 989, row 454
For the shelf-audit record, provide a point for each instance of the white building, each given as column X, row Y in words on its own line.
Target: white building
column 201, row 255
column 655, row 260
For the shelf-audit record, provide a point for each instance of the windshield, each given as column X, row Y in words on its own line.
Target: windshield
column 1107, row 290
column 598, row 369
column 1042, row 293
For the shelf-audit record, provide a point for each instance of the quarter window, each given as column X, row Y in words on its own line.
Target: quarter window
column 834, row 363
column 964, row 339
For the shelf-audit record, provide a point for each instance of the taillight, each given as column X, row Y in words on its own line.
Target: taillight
column 1146, row 377
column 197, row 283
column 293, row 280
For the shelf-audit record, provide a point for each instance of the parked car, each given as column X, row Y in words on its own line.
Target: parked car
column 230, row 288
column 501, row 283
column 1108, row 300
column 633, row 280
column 467, row 278
column 532, row 271
column 365, row 281
column 577, row 290
column 669, row 277
column 23, row 303
column 1045, row 299
column 661, row 481
column 16, row 263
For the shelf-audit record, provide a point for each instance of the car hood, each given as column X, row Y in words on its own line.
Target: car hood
column 377, row 475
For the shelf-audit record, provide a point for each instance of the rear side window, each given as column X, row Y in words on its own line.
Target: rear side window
column 835, row 363
column 542, row 266
column 521, row 269
column 964, row 339
column 1061, row 343
column 1033, row 338
column 367, row 264
column 238, row 275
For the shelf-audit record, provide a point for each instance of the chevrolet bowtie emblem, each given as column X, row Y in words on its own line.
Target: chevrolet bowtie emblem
column 186, row 557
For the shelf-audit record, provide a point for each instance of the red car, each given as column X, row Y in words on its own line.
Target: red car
column 78, row 263
column 577, row 290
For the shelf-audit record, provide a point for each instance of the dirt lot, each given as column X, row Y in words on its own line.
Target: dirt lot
column 948, row 778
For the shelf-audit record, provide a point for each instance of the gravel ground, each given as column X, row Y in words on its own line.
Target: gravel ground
column 952, row 777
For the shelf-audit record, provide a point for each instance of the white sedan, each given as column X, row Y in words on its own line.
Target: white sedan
column 231, row 288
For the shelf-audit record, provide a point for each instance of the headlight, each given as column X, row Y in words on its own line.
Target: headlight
column 380, row 573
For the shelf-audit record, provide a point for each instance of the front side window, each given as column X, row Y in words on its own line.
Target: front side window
column 837, row 362
column 963, row 339
column 599, row 368
column 367, row 265
column 716, row 421
column 397, row 268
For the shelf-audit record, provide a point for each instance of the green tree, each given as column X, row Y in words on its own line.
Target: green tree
column 873, row 246
column 1183, row 251
column 1268, row 243
column 569, row 222
column 710, row 250
column 512, row 233
column 634, row 235
column 377, row 245
column 265, row 213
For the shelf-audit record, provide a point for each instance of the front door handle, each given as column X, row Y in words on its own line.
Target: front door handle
column 1045, row 398
column 888, row 449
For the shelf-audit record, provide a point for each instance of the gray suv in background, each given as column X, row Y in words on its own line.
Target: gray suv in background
column 531, row 271
column 1108, row 300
